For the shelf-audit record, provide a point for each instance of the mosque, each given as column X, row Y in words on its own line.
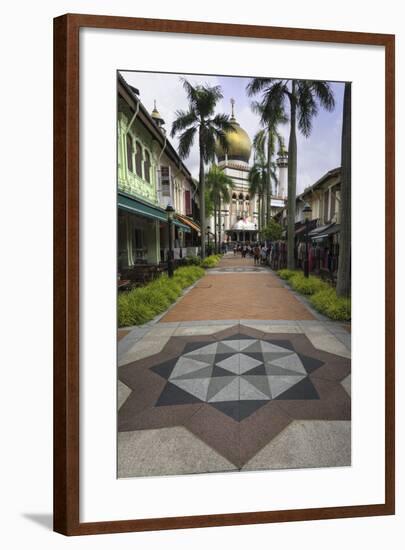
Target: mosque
column 239, row 218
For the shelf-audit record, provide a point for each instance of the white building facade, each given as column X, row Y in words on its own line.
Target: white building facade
column 239, row 218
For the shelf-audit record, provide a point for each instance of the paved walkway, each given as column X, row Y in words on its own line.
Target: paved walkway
column 238, row 290
column 238, row 375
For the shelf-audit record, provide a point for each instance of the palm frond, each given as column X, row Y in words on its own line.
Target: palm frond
column 272, row 104
column 183, row 120
column 307, row 107
column 280, row 141
column 221, row 138
column 191, row 91
column 186, row 141
column 257, row 178
column 219, row 184
column 259, row 142
column 324, row 94
column 221, row 122
column 208, row 97
column 257, row 85
column 213, row 91
column 271, row 109
column 257, row 107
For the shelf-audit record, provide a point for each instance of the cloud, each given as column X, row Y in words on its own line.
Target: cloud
column 316, row 154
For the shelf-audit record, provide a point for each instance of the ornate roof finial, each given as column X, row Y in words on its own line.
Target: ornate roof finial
column 232, row 107
column 156, row 115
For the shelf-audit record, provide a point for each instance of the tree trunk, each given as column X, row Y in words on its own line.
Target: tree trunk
column 263, row 221
column 292, row 181
column 268, row 186
column 202, row 199
column 259, row 217
column 343, row 286
column 219, row 226
column 215, row 224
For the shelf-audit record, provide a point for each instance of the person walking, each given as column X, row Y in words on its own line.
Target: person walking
column 256, row 254
column 263, row 254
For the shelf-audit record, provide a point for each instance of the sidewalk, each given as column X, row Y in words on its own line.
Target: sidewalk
column 238, row 290
column 239, row 374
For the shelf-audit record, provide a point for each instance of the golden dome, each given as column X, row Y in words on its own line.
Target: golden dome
column 239, row 144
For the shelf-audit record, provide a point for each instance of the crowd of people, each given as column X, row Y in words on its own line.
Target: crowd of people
column 258, row 251
column 322, row 255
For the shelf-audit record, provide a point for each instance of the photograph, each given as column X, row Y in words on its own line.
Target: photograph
column 233, row 273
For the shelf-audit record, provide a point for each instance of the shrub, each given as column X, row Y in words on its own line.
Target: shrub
column 193, row 260
column 211, row 261
column 134, row 308
column 307, row 285
column 140, row 305
column 331, row 305
column 322, row 296
column 171, row 287
column 286, row 274
column 186, row 276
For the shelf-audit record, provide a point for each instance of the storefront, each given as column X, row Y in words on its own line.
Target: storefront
column 325, row 248
column 143, row 233
column 193, row 237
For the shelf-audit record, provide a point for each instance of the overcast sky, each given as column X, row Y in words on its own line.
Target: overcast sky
column 317, row 154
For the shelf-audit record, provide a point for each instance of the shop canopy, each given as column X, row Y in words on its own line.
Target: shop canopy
column 190, row 223
column 324, row 231
column 301, row 228
column 136, row 206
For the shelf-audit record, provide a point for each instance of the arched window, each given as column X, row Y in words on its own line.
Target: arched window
column 241, row 196
column 138, row 159
column 247, row 198
column 130, row 163
column 147, row 166
column 234, row 196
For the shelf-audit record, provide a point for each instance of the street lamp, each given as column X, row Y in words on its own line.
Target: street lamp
column 307, row 211
column 170, row 214
column 256, row 239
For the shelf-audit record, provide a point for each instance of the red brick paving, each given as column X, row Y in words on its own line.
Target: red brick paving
column 238, row 296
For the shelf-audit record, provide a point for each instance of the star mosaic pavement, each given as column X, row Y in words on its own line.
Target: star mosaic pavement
column 236, row 389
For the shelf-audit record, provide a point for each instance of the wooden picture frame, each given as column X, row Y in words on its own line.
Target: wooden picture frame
column 67, row 284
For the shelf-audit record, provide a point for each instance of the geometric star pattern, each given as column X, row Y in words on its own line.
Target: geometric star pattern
column 236, row 389
column 236, row 374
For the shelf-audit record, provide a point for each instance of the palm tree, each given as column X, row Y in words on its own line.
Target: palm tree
column 264, row 143
column 219, row 186
column 303, row 98
column 201, row 121
column 343, row 278
column 264, row 146
column 257, row 186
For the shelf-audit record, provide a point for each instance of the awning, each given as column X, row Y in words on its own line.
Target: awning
column 324, row 231
column 190, row 223
column 320, row 229
column 311, row 226
column 136, row 206
column 181, row 226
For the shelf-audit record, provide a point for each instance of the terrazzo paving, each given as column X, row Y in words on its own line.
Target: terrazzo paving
column 233, row 392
